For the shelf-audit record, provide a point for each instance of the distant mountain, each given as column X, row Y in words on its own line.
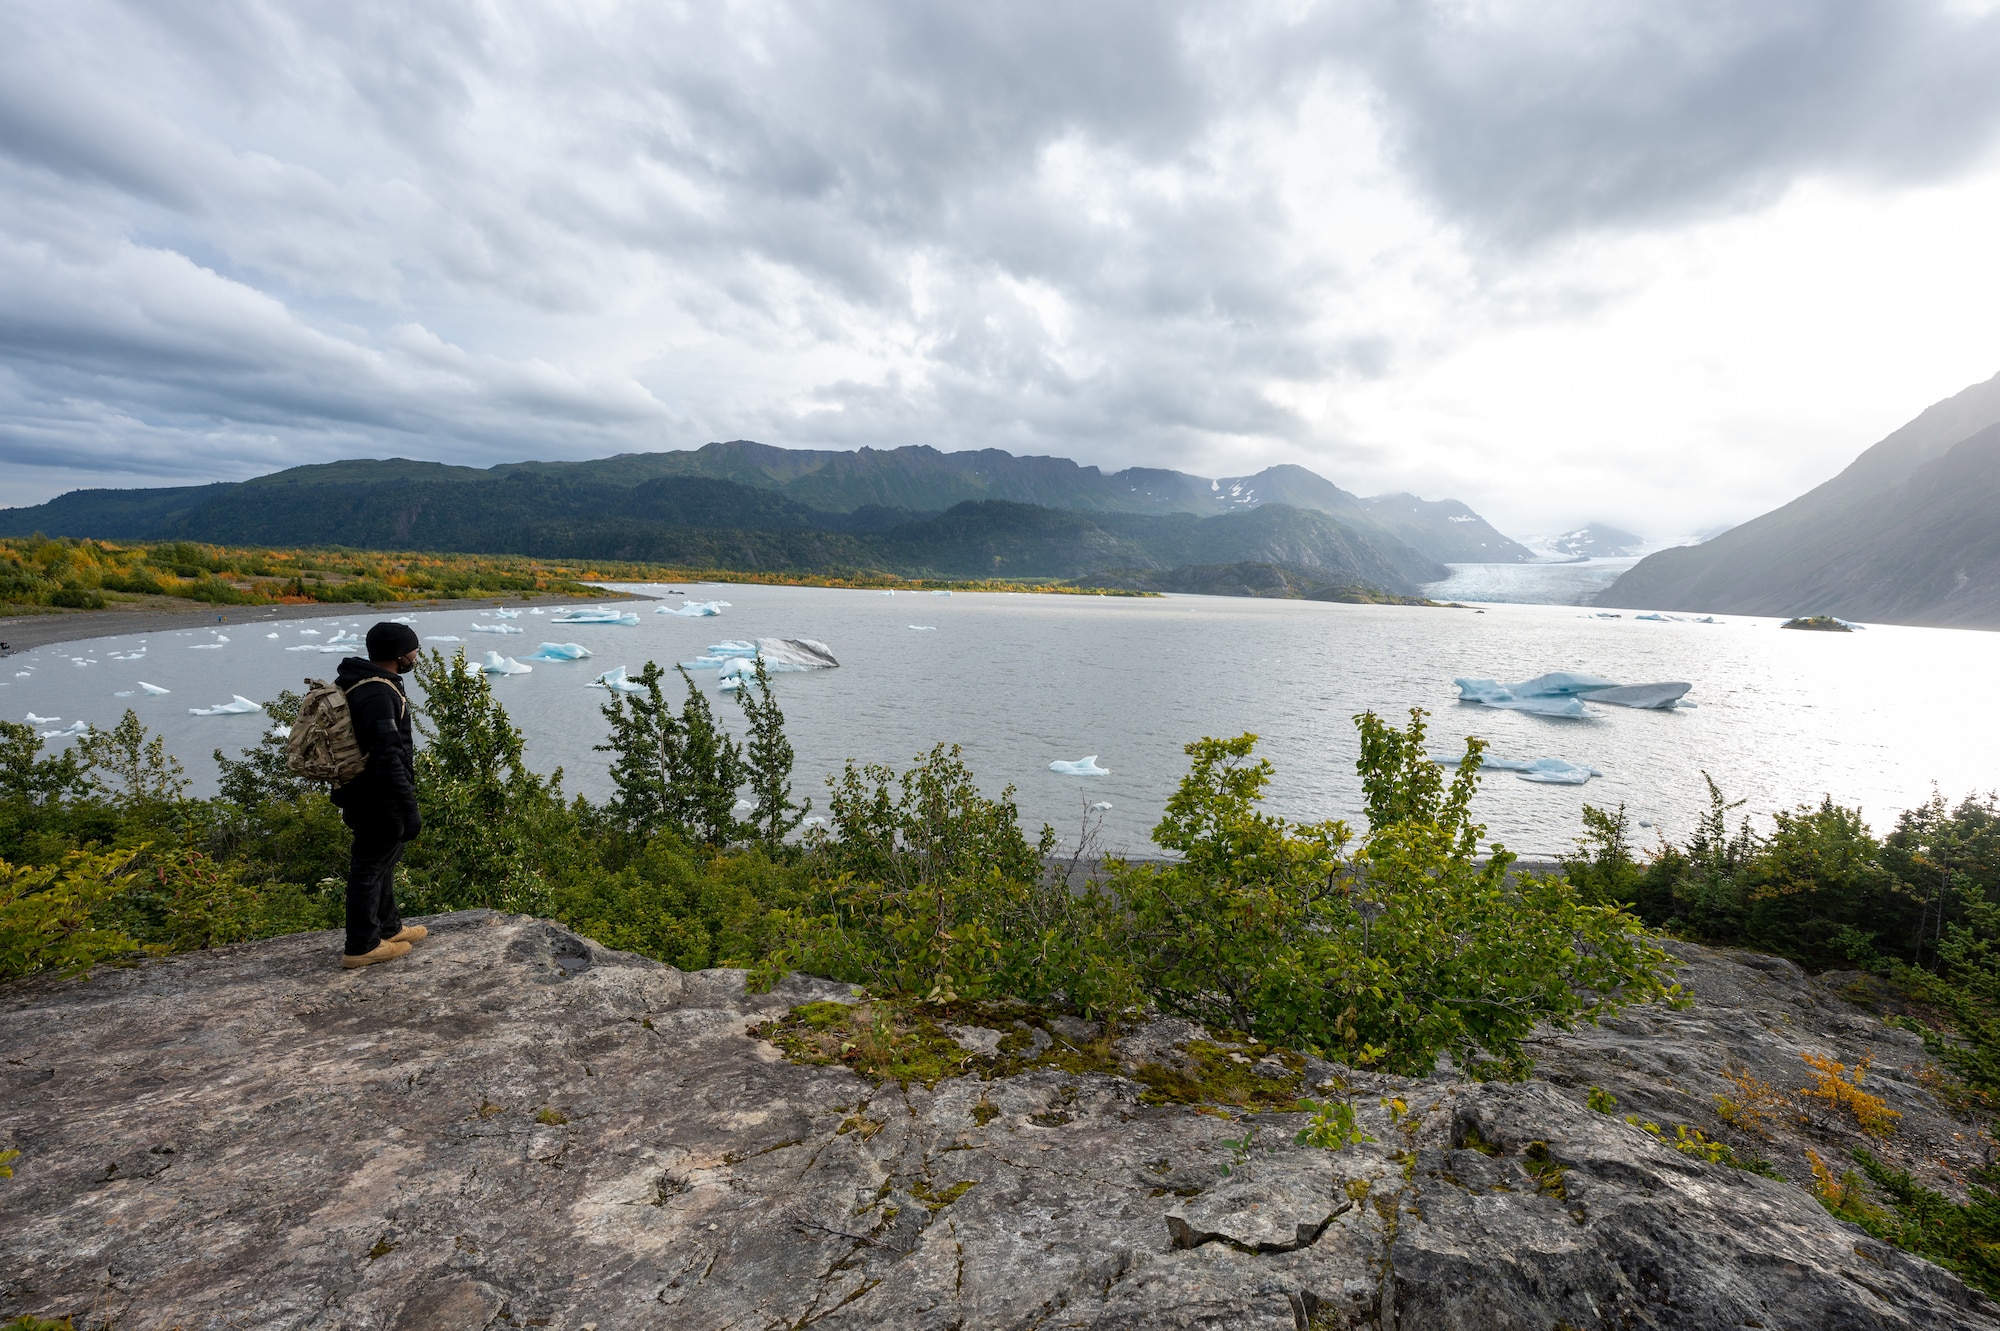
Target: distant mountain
column 751, row 506
column 1597, row 540
column 1909, row 533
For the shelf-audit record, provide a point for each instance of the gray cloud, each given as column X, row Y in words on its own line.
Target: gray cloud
column 236, row 234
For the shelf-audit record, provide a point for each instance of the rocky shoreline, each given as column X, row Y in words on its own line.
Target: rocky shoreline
column 517, row 1127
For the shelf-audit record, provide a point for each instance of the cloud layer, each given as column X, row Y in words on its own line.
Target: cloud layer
column 236, row 236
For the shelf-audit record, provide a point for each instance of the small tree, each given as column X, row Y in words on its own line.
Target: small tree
column 769, row 765
column 27, row 777
column 125, row 766
column 675, row 773
column 263, row 774
column 490, row 822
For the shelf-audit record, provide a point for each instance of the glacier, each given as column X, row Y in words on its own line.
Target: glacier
column 583, row 616
column 1085, row 766
column 238, row 705
column 559, row 651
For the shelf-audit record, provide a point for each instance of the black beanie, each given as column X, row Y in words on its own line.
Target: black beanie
column 389, row 641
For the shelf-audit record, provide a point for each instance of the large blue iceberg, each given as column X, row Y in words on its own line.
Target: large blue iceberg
column 558, row 651
column 583, row 616
column 1563, row 693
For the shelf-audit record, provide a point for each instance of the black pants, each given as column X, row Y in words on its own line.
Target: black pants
column 371, row 880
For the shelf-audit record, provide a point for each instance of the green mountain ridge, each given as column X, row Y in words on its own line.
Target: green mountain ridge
column 1906, row 534
column 754, row 507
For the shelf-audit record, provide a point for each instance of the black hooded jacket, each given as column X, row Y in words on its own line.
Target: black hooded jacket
column 382, row 727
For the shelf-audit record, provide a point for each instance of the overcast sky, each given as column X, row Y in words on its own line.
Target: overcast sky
column 1662, row 262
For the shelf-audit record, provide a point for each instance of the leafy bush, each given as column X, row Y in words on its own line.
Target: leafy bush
column 49, row 916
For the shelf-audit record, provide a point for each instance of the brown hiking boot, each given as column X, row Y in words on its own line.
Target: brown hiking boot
column 410, row 933
column 384, row 951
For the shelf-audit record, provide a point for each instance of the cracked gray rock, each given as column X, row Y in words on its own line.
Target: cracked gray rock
column 516, row 1127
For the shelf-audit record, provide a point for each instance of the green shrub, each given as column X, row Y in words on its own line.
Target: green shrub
column 49, row 916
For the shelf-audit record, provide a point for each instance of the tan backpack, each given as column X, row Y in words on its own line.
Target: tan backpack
column 323, row 746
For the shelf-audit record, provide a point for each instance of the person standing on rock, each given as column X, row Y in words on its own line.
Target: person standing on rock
column 380, row 805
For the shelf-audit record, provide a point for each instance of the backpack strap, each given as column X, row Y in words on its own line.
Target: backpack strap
column 402, row 703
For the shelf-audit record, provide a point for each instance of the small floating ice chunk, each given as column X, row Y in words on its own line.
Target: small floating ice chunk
column 940, row 593
column 442, row 637
column 535, row 611
column 1703, row 619
column 206, row 646
column 71, row 731
column 558, row 651
column 308, row 633
column 890, row 592
column 616, row 682
column 1556, row 772
column 498, row 614
column 1658, row 618
column 411, row 619
column 1085, row 766
column 694, row 609
column 583, row 616
column 238, row 705
column 494, row 628
column 270, row 635
column 153, row 689
column 497, row 664
column 34, row 720
column 923, row 628
column 124, row 693
column 1101, row 805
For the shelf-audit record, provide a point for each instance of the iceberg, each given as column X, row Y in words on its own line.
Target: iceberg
column 494, row 628
column 780, row 655
column 616, row 682
column 1556, row 772
column 308, row 633
column 581, row 616
column 923, row 628
column 238, row 705
column 890, row 592
column 1563, row 693
column 694, row 609
column 124, row 693
column 940, row 593
column 70, row 731
column 535, row 611
column 1492, row 693
column 1101, row 805
column 498, row 614
column 497, row 664
column 201, row 647
column 1707, row 619
column 559, row 651
column 153, row 689
column 34, row 720
column 442, row 637
column 270, row 635
column 1545, row 771
column 1654, row 697
column 1085, row 766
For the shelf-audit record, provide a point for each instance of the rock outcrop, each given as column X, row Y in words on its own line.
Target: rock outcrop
column 516, row 1127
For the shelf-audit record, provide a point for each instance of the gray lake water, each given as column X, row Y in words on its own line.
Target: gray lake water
column 1872, row 718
